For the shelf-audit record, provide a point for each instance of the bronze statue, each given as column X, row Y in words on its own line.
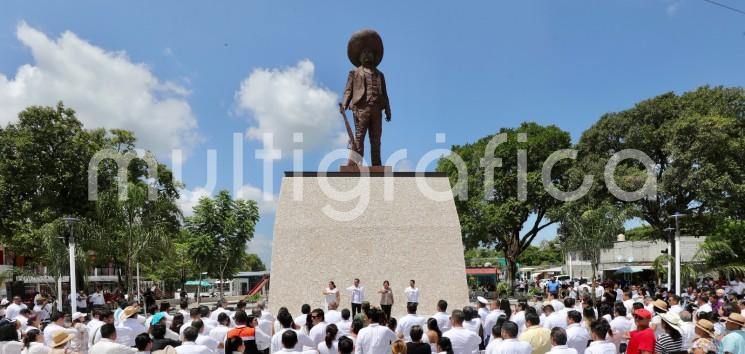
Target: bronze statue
column 365, row 94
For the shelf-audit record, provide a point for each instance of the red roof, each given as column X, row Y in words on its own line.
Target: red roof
column 481, row 271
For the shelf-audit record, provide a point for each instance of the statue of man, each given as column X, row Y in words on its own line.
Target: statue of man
column 365, row 93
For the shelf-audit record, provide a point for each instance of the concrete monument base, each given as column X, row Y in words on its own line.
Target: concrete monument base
column 340, row 226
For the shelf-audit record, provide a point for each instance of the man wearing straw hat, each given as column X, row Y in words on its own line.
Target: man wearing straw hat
column 129, row 327
column 59, row 342
column 734, row 342
column 366, row 94
column 705, row 342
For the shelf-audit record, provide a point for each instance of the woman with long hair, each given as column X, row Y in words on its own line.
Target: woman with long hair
column 505, row 306
column 386, row 298
column 330, row 294
column 33, row 343
column 398, row 347
column 329, row 345
column 444, row 346
column 588, row 316
column 671, row 341
column 433, row 333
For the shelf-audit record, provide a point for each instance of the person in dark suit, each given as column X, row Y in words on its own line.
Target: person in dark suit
column 365, row 94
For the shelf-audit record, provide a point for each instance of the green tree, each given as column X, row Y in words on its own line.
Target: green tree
column 496, row 216
column 722, row 251
column 252, row 263
column 592, row 231
column 697, row 142
column 227, row 225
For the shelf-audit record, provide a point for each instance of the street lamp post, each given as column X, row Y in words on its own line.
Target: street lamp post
column 70, row 221
column 199, row 288
column 677, row 217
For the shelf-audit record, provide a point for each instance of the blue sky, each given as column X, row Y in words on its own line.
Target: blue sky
column 464, row 69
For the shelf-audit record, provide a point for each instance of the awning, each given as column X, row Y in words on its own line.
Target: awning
column 196, row 282
column 481, row 271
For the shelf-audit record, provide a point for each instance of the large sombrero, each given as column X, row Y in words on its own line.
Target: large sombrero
column 360, row 40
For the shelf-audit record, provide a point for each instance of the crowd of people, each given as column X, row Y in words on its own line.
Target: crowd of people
column 567, row 319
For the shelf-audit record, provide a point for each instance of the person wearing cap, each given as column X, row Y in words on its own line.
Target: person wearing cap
column 80, row 341
column 705, row 341
column 671, row 341
column 641, row 340
column 59, row 342
column 734, row 342
column 481, row 302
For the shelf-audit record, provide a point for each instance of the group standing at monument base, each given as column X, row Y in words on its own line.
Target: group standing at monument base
column 567, row 319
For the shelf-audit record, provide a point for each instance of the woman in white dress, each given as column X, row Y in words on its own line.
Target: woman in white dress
column 330, row 294
column 33, row 343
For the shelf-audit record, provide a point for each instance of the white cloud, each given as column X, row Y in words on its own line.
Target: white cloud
column 285, row 101
column 190, row 197
column 105, row 88
column 267, row 202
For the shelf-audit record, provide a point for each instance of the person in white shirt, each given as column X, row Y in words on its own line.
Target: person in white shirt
column 509, row 343
column 300, row 320
column 220, row 308
column 620, row 326
column 332, row 316
column 94, row 326
column 519, row 317
column 331, row 294
column 34, row 343
column 57, row 324
column 483, row 311
column 403, row 330
column 318, row 332
column 220, row 332
column 492, row 317
column 202, row 338
column 577, row 335
column 599, row 330
column 688, row 330
column 329, row 345
column 703, row 306
column 184, row 308
column 472, row 321
column 628, row 301
column 374, row 339
column 289, row 341
column 559, row 342
column 129, row 326
column 301, row 340
column 97, row 299
column 443, row 319
column 264, row 326
column 15, row 308
column 553, row 300
column 189, row 346
column 463, row 340
column 358, row 295
column 675, row 304
column 345, row 324
column 553, row 318
column 108, row 344
column 412, row 292
column 42, row 309
column 143, row 343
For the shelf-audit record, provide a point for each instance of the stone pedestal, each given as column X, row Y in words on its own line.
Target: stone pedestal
column 325, row 231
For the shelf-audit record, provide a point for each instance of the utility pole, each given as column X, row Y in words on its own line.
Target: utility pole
column 677, row 217
column 71, row 250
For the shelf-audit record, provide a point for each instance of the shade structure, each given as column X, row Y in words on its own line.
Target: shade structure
column 197, row 282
